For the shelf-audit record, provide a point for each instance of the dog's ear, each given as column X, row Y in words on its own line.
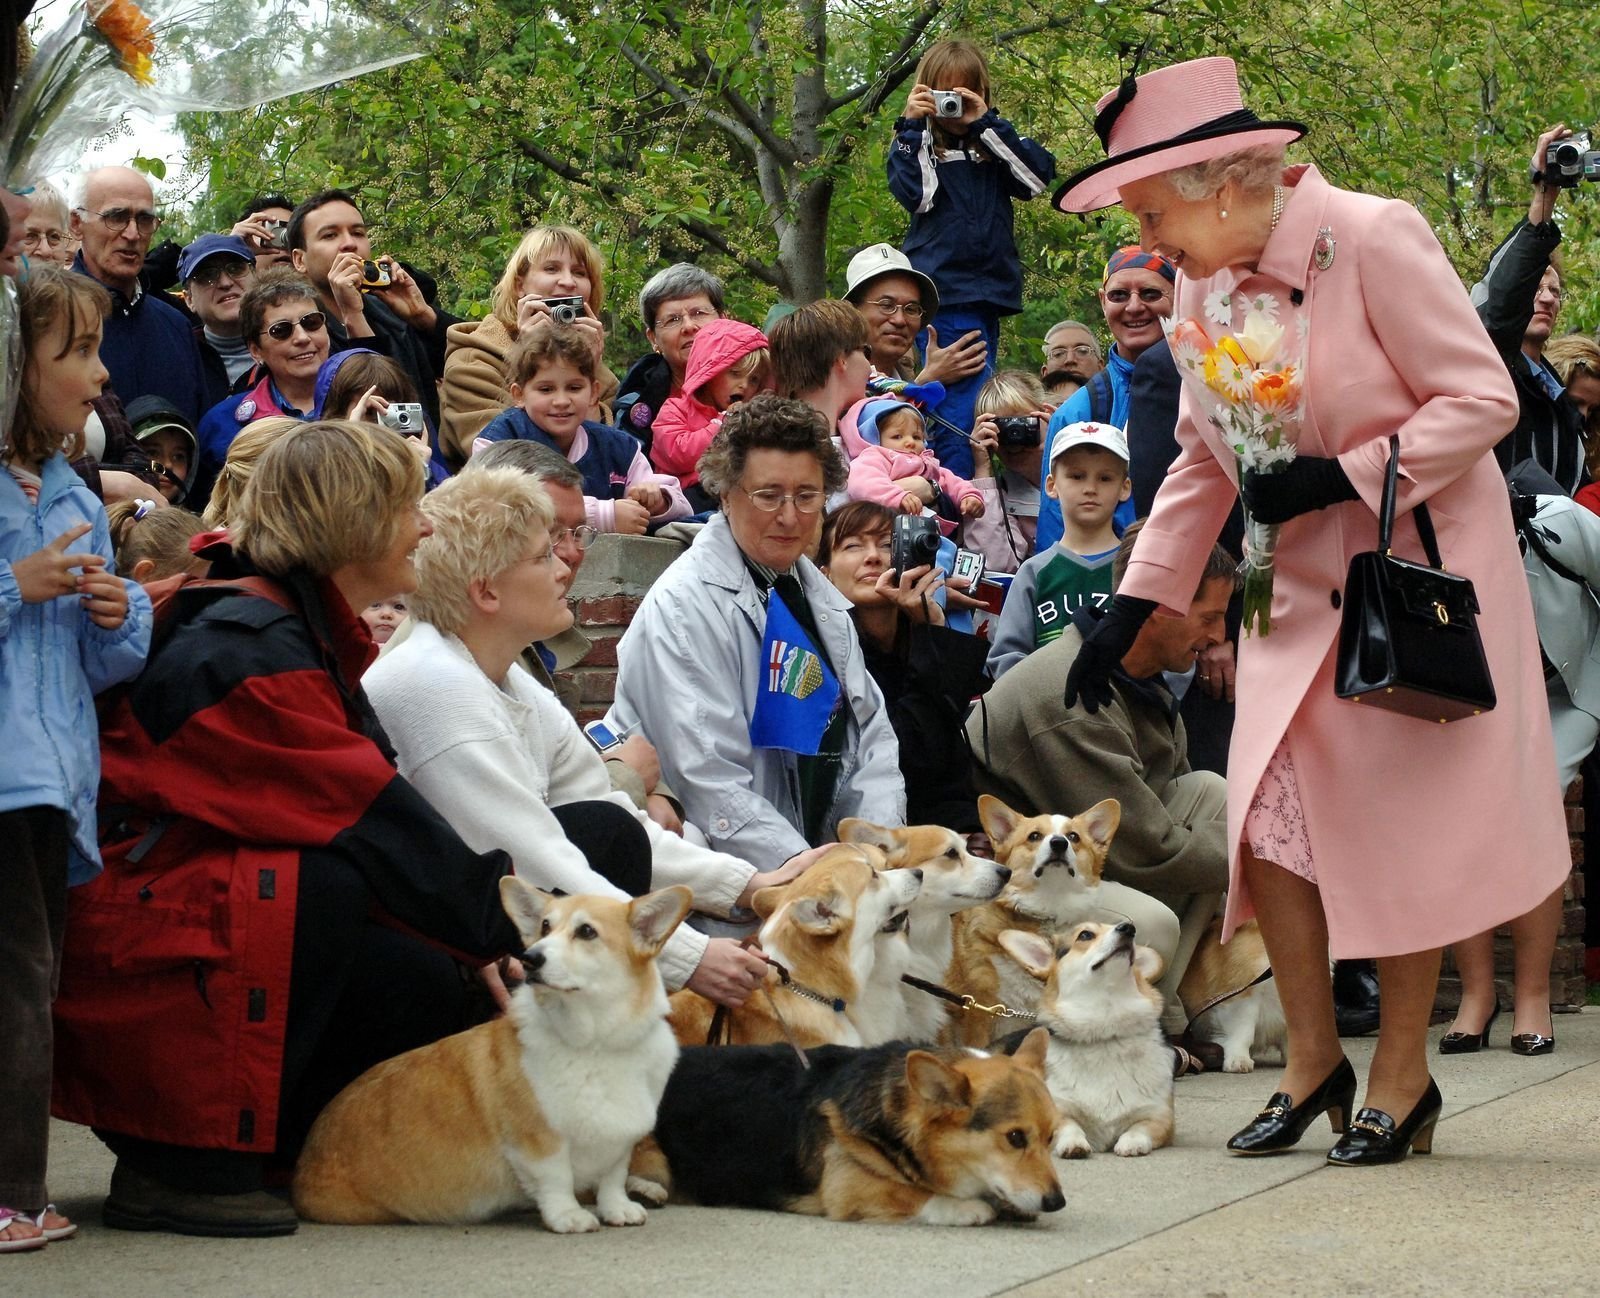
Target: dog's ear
column 1101, row 820
column 1032, row 1052
column 653, row 917
column 1147, row 960
column 821, row 914
column 856, row 830
column 936, row 1082
column 1030, row 951
column 997, row 819
column 526, row 906
column 765, row 900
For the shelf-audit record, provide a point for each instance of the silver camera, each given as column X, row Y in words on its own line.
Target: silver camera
column 565, row 310
column 404, row 417
column 947, row 103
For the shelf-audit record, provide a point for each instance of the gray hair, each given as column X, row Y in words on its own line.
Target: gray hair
column 1253, row 169
column 681, row 280
column 533, row 458
column 49, row 201
column 1059, row 325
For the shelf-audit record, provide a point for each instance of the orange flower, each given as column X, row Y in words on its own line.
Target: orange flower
column 1192, row 332
column 129, row 33
column 1277, row 389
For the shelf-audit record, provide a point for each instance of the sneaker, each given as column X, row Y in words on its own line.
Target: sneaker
column 138, row 1203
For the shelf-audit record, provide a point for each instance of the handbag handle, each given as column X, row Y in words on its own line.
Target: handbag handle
column 1420, row 515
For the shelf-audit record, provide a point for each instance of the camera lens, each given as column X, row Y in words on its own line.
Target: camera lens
column 1566, row 154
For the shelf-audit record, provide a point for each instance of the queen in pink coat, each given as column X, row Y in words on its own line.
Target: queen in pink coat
column 1356, row 832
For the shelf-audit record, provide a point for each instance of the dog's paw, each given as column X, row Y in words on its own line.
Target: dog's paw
column 650, row 1192
column 941, row 1210
column 1131, row 1144
column 575, row 1220
column 1071, row 1144
column 623, row 1213
column 1238, row 1063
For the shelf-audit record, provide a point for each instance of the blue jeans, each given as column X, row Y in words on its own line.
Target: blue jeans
column 953, row 448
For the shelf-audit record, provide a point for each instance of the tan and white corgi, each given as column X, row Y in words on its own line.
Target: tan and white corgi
column 539, row 1106
column 952, row 880
column 1224, row 1001
column 1056, row 863
column 1109, row 1067
column 825, row 928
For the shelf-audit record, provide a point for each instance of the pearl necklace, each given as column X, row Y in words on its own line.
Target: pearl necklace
column 1279, row 197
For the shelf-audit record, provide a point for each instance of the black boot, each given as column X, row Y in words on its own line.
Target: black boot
column 1355, row 997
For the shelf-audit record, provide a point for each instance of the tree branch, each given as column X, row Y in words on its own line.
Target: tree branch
column 679, row 95
column 896, row 68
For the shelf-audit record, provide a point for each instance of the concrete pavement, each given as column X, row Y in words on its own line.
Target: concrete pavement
column 1505, row 1206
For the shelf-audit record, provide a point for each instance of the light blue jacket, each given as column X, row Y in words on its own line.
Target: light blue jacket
column 54, row 660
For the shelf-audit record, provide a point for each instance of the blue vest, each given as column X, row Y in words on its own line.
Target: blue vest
column 604, row 465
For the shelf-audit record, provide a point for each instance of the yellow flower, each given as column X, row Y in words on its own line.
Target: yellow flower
column 129, row 33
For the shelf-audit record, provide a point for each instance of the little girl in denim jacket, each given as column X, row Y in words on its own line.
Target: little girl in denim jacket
column 69, row 627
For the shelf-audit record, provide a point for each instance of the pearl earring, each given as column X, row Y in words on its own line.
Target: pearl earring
column 1223, row 214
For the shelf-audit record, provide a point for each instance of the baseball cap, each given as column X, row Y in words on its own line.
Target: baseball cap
column 1107, row 437
column 885, row 259
column 211, row 245
column 151, row 414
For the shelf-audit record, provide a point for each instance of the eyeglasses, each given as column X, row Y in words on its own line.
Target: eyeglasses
column 582, row 536
column 547, row 556
column 769, row 500
column 1149, row 296
column 212, row 271
column 1077, row 349
column 679, row 318
column 887, row 306
column 117, row 218
column 283, row 330
column 33, row 238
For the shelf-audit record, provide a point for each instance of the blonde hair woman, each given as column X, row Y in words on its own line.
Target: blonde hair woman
column 551, row 261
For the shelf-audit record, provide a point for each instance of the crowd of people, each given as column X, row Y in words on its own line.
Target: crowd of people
column 912, row 577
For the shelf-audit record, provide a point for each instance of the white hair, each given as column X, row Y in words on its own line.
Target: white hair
column 1254, row 169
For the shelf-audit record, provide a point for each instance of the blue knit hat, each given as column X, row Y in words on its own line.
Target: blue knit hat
column 867, row 420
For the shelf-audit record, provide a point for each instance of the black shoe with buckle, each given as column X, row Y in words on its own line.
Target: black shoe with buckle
column 1279, row 1126
column 1374, row 1138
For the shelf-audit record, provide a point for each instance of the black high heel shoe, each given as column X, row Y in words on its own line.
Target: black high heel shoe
column 1469, row 1043
column 1280, row 1125
column 1533, row 1043
column 1373, row 1138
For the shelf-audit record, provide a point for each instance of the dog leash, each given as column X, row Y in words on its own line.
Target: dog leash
column 1228, row 996
column 717, row 1034
column 998, row 1010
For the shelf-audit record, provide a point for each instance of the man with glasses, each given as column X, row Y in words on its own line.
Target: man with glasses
column 215, row 270
column 148, row 346
column 1071, row 356
column 1136, row 296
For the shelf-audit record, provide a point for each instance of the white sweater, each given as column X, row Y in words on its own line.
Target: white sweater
column 493, row 759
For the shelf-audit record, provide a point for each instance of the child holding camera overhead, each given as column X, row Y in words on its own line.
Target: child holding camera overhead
column 1012, row 412
column 897, row 469
column 551, row 375
column 1089, row 477
column 956, row 165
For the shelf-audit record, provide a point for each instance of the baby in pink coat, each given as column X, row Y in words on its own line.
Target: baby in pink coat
column 896, row 468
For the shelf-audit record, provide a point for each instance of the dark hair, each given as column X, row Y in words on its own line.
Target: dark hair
column 261, row 202
column 768, row 422
column 298, row 218
column 271, row 288
column 49, row 299
column 854, row 519
column 534, row 458
column 362, row 371
column 806, row 343
column 1220, row 565
column 539, row 347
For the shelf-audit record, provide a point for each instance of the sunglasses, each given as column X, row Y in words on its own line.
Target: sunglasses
column 214, row 270
column 283, row 330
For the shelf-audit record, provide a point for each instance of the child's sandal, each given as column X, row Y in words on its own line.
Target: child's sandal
column 66, row 1230
column 10, row 1217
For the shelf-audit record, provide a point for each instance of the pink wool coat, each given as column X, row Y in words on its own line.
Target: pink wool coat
column 1421, row 834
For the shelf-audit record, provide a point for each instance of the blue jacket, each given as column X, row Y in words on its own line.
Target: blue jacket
column 221, row 424
column 604, row 465
column 1075, row 410
column 54, row 660
column 149, row 348
column 960, row 205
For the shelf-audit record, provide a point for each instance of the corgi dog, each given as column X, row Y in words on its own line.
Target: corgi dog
column 892, row 1134
column 952, row 880
column 1109, row 1066
column 1224, row 1002
column 825, row 928
column 539, row 1106
column 1056, row 863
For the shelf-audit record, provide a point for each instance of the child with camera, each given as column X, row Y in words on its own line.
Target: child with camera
column 897, row 469
column 1089, row 477
column 957, row 165
column 1012, row 414
column 552, row 378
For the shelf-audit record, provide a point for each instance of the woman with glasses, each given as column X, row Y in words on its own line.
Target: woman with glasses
column 742, row 665
column 496, row 753
column 675, row 304
column 45, row 237
column 287, row 333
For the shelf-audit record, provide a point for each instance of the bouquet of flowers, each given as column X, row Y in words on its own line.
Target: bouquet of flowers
column 1251, row 385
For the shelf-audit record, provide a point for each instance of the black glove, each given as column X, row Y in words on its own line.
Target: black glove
column 1307, row 482
column 1103, row 649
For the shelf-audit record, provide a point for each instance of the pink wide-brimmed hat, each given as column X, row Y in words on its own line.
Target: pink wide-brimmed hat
column 1172, row 117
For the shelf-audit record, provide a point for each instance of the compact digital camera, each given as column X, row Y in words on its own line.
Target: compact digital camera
column 969, row 565
column 947, row 103
column 1568, row 161
column 564, row 310
column 376, row 274
column 280, row 236
column 914, row 544
column 404, row 417
column 1017, row 430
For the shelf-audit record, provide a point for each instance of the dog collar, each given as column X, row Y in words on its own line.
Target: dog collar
column 835, row 1003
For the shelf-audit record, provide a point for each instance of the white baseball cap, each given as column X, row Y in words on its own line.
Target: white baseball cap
column 885, row 259
column 1106, row 436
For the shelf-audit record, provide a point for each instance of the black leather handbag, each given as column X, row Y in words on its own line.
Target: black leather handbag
column 1409, row 637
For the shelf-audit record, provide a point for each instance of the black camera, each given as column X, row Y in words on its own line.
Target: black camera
column 947, row 103
column 915, row 542
column 1568, row 161
column 564, row 310
column 1017, row 430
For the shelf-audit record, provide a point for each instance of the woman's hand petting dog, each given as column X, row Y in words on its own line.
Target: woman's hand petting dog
column 789, row 871
column 728, row 973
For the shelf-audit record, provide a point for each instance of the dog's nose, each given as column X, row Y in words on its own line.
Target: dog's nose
column 1125, row 928
column 533, row 960
column 1058, row 843
column 917, row 874
column 1004, row 872
column 1055, row 1201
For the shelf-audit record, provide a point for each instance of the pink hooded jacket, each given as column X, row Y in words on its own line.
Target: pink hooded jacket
column 685, row 425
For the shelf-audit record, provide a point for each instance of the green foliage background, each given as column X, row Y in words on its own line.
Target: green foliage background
column 750, row 137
